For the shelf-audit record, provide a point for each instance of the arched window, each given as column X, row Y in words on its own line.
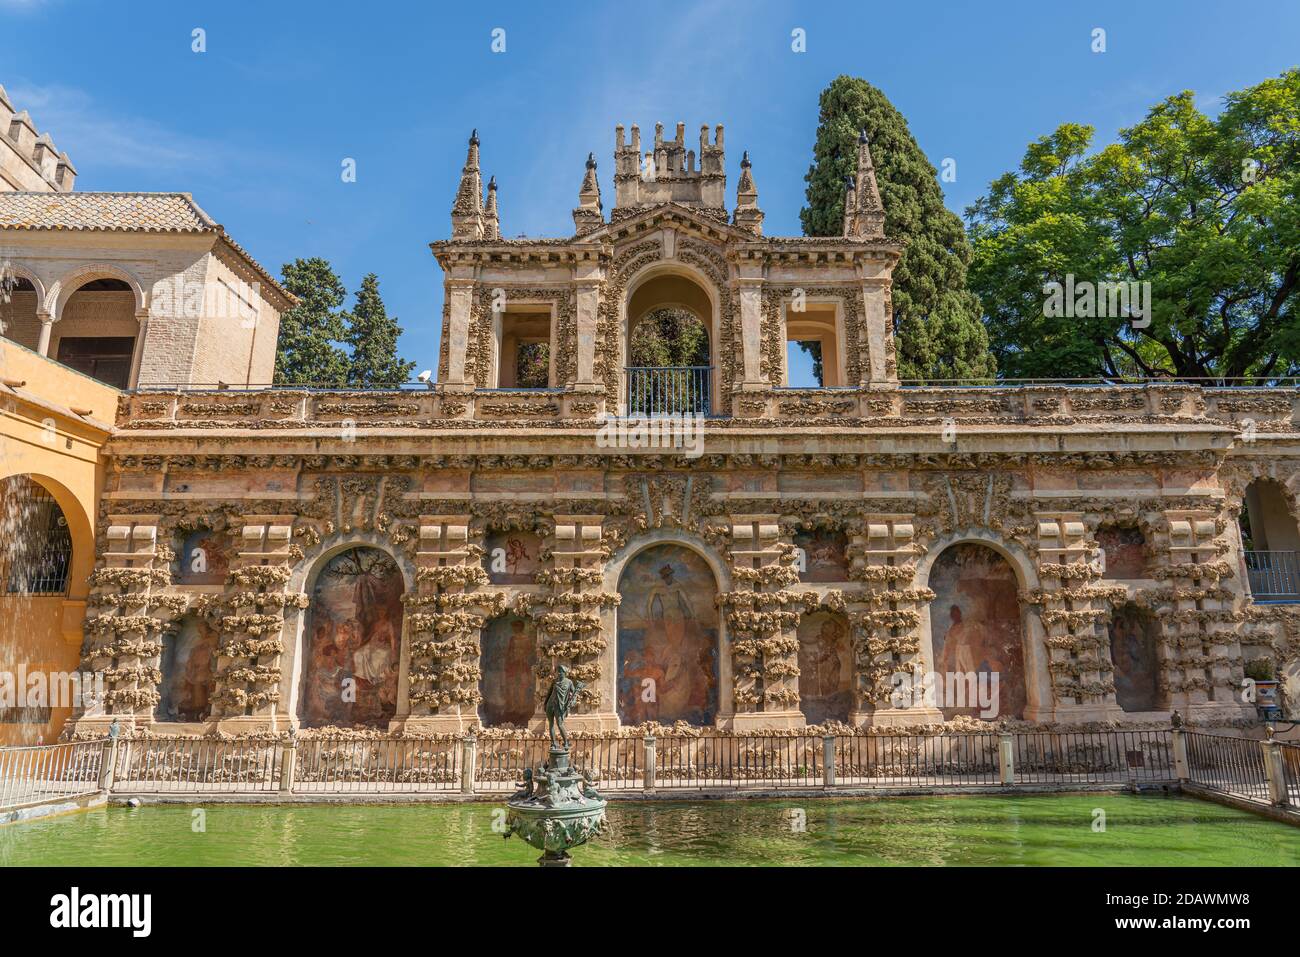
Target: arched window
column 667, row 638
column 96, row 332
column 35, row 543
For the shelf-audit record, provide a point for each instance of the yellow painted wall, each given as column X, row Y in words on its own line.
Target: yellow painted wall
column 53, row 422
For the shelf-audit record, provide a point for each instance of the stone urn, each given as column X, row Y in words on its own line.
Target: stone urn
column 557, row 808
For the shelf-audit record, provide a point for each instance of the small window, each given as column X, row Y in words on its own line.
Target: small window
column 813, row 348
column 803, row 359
column 106, row 358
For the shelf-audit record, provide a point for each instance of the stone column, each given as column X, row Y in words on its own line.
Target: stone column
column 460, row 297
column 47, row 324
column 589, row 278
column 876, row 331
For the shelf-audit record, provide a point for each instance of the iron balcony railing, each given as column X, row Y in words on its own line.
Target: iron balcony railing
column 668, row 390
column 1274, row 576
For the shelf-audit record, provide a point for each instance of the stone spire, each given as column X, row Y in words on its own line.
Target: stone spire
column 747, row 215
column 590, row 214
column 491, row 222
column 467, row 211
column 864, row 213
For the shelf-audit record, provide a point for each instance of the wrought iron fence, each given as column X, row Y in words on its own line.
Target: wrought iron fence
column 754, row 761
column 1290, row 754
column 656, row 391
column 1227, row 764
column 44, row 772
column 1093, row 757
column 377, row 765
column 158, row 765
column 899, row 760
column 1274, row 576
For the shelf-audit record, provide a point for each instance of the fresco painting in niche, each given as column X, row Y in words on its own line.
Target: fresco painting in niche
column 1125, row 550
column 204, row 558
column 509, row 681
column 187, row 671
column 825, row 556
column 975, row 624
column 354, row 632
column 667, row 638
column 513, row 558
column 825, row 668
column 1133, row 653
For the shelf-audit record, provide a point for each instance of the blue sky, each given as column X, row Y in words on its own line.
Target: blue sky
column 257, row 127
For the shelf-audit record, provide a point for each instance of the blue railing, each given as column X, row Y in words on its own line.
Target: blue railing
column 1274, row 576
column 668, row 390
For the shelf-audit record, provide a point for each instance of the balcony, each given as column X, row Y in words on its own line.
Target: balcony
column 659, row 391
column 1274, row 576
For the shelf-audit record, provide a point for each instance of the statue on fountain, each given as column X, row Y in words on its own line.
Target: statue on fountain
column 560, row 699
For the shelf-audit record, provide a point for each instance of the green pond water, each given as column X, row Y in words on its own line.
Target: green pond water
column 954, row 831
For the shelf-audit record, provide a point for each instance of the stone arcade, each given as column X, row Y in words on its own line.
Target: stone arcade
column 437, row 552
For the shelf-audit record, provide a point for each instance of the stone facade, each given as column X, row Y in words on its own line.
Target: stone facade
column 1043, row 476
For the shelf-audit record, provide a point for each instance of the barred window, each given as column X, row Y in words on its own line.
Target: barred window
column 35, row 543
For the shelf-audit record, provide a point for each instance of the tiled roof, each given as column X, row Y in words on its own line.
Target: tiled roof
column 120, row 212
column 133, row 212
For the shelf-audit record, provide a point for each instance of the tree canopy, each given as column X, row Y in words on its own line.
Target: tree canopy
column 1205, row 210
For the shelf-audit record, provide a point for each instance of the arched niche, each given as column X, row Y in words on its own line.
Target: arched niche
column 1134, row 657
column 508, row 662
column 189, row 651
column 352, row 648
column 825, row 667
column 668, row 641
column 977, row 629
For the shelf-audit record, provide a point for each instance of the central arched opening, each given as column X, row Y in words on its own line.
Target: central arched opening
column 353, row 641
column 976, row 634
column 96, row 331
column 667, row 638
column 1270, row 538
column 670, row 348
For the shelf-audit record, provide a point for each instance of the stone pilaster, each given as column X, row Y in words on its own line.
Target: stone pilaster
column 761, row 617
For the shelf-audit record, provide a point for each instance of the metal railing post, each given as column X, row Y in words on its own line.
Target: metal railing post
column 648, row 782
column 828, row 760
column 107, row 763
column 288, row 761
column 1274, row 771
column 1007, row 759
column 468, row 755
column 1180, row 755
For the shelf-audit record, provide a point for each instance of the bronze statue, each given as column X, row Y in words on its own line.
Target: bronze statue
column 560, row 699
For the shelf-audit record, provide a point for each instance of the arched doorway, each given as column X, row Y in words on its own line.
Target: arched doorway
column 670, row 347
column 667, row 638
column 352, row 643
column 976, row 634
column 508, row 665
column 35, row 541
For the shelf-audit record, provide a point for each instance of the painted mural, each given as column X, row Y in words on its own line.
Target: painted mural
column 513, row 558
column 975, row 625
column 187, row 677
column 204, row 558
column 825, row 668
column 667, row 638
column 1133, row 653
column 1125, row 549
column 825, row 558
column 509, row 656
column 353, row 641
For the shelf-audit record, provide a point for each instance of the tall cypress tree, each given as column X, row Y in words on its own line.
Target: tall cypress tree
column 373, row 337
column 937, row 324
column 306, row 353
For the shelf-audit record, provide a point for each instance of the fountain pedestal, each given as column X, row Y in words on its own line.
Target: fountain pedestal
column 557, row 808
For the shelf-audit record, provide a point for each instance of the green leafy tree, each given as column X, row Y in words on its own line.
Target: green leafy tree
column 1207, row 211
column 306, row 351
column 937, row 324
column 669, row 337
column 373, row 338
